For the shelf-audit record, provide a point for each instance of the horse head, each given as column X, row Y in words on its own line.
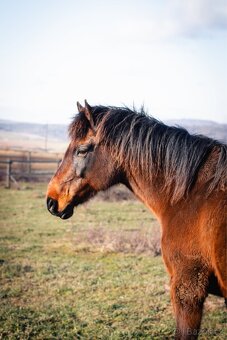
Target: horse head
column 86, row 168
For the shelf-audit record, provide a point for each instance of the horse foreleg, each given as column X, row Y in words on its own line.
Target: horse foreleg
column 187, row 299
column 187, row 322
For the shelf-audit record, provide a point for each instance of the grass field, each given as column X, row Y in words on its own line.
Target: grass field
column 57, row 284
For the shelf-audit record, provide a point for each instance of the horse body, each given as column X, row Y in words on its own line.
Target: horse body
column 194, row 251
column 193, row 248
column 181, row 178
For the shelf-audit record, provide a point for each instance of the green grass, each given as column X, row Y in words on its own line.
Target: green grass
column 53, row 289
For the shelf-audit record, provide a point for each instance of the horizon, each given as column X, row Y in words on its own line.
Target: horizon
column 166, row 121
column 169, row 56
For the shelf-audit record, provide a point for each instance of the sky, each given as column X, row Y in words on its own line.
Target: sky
column 168, row 55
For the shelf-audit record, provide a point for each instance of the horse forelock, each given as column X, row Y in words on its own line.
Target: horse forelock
column 150, row 148
column 78, row 128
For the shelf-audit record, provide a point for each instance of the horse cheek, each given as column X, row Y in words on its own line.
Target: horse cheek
column 80, row 167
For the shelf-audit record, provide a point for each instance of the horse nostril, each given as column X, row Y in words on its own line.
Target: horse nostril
column 52, row 206
column 49, row 202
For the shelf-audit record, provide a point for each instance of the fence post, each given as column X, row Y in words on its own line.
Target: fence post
column 29, row 163
column 8, row 173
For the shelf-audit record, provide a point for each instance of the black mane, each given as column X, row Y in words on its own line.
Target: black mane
column 151, row 147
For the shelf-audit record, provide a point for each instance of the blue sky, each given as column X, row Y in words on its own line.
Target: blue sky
column 169, row 55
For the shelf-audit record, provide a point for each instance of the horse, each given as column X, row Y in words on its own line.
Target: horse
column 180, row 177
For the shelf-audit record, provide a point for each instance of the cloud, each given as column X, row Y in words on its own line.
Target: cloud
column 198, row 17
column 150, row 22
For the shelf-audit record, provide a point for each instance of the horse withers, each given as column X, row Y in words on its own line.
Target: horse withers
column 180, row 177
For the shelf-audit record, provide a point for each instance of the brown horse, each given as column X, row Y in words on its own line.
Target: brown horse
column 180, row 177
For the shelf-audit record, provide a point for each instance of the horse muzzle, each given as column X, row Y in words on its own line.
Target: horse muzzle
column 52, row 206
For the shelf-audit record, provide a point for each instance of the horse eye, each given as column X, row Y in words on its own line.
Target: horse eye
column 81, row 152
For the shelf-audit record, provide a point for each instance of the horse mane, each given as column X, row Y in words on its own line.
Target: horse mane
column 152, row 148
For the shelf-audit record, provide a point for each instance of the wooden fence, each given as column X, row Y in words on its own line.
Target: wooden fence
column 28, row 173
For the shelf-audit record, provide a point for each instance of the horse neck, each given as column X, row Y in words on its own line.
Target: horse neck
column 157, row 195
column 150, row 192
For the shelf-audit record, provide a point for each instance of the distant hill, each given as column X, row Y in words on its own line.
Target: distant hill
column 32, row 136
column 54, row 137
column 54, row 131
column 204, row 127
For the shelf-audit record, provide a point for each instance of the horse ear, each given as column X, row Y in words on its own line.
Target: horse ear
column 80, row 107
column 88, row 114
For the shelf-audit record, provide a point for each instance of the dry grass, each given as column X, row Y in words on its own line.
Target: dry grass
column 138, row 241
